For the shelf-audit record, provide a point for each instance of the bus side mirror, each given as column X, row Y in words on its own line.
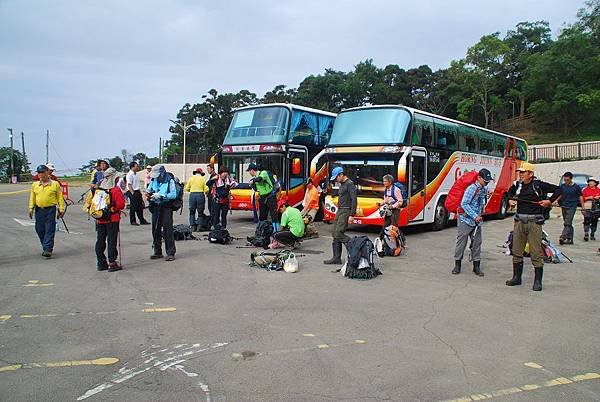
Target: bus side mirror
column 296, row 166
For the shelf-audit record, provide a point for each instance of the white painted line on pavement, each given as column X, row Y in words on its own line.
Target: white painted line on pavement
column 23, row 222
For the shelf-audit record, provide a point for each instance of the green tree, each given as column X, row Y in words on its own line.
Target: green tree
column 279, row 94
column 18, row 163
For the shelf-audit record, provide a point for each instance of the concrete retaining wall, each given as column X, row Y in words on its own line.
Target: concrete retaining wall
column 551, row 172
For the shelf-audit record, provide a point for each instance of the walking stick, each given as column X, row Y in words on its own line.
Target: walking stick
column 120, row 251
column 65, row 223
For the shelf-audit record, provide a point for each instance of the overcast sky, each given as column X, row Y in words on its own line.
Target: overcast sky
column 105, row 75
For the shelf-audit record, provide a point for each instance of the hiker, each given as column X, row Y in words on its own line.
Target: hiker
column 51, row 170
column 392, row 197
column 161, row 193
column 197, row 188
column 107, row 230
column 589, row 204
column 147, row 176
column 528, row 194
column 292, row 225
column 135, row 196
column 311, row 202
column 212, row 174
column 345, row 213
column 470, row 221
column 221, row 185
column 45, row 196
column 264, row 184
column 98, row 175
column 570, row 193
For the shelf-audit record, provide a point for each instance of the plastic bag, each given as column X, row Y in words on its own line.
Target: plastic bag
column 291, row 264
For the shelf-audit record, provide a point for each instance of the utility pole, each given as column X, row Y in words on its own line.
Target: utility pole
column 47, row 140
column 12, row 167
column 160, row 149
column 25, row 164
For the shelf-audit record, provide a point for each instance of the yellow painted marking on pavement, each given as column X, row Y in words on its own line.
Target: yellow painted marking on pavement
column 308, row 335
column 15, row 192
column 159, row 310
column 102, row 361
column 36, row 282
column 360, row 341
column 5, row 317
column 38, row 315
column 558, row 381
column 533, row 365
column 585, row 377
column 323, row 346
column 530, row 387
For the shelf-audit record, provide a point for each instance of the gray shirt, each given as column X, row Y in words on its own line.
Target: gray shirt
column 347, row 196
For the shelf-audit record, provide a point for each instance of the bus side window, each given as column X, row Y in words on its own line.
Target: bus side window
column 423, row 130
column 486, row 142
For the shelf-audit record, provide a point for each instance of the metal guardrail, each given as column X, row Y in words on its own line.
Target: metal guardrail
column 189, row 158
column 562, row 152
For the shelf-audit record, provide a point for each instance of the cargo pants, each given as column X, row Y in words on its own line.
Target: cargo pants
column 527, row 231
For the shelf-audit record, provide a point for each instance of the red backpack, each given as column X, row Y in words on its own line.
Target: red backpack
column 457, row 190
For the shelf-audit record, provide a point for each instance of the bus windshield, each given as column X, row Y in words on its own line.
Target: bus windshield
column 367, row 171
column 265, row 125
column 370, row 126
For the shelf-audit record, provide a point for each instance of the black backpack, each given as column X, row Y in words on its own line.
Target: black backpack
column 361, row 259
column 182, row 232
column 177, row 203
column 262, row 235
column 219, row 236
column 203, row 223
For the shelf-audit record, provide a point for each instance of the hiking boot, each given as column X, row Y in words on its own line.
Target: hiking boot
column 457, row 265
column 537, row 280
column 170, row 258
column 561, row 241
column 477, row 268
column 135, row 224
column 156, row 256
column 145, row 223
column 586, row 237
column 46, row 254
column 102, row 266
column 517, row 273
column 593, row 236
column 114, row 266
column 568, row 241
column 337, row 254
column 194, row 228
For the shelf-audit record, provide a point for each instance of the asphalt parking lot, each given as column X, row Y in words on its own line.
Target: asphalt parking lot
column 207, row 327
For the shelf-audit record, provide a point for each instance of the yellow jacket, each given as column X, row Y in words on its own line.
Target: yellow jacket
column 196, row 184
column 46, row 195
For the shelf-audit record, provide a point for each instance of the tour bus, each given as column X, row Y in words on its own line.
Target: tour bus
column 282, row 138
column 421, row 150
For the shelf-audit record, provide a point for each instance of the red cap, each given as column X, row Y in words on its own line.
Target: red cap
column 198, row 170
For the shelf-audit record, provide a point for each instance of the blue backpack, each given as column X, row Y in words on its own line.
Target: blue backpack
column 403, row 191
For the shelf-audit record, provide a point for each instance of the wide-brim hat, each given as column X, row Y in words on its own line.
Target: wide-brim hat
column 593, row 179
column 155, row 171
column 526, row 167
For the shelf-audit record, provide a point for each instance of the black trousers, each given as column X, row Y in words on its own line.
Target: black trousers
column 137, row 207
column 162, row 227
column 286, row 237
column 268, row 206
column 107, row 233
column 219, row 214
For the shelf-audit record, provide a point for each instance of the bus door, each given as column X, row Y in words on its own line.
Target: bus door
column 297, row 174
column 416, row 185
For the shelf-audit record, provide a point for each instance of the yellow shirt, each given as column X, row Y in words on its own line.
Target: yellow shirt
column 94, row 171
column 46, row 195
column 196, row 184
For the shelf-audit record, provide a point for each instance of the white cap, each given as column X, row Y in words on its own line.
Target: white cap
column 50, row 166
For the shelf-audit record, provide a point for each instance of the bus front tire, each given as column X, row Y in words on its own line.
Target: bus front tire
column 440, row 219
column 503, row 211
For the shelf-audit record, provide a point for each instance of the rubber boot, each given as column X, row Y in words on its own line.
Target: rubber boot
column 477, row 268
column 517, row 272
column 456, row 269
column 337, row 254
column 537, row 279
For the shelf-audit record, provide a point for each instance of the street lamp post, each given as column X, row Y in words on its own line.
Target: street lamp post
column 183, row 127
column 12, row 167
column 513, row 108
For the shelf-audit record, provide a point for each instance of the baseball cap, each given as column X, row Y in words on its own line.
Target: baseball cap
column 251, row 166
column 336, row 172
column 485, row 174
column 41, row 169
column 280, row 203
column 198, row 171
column 526, row 167
column 50, row 166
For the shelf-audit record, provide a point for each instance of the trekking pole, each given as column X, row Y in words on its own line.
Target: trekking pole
column 568, row 259
column 64, row 223
column 120, row 251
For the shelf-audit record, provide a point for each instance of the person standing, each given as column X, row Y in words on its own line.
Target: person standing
column 221, row 184
column 267, row 197
column 44, row 198
column 212, row 174
column 107, row 230
column 570, row 193
column 392, row 196
column 292, row 225
column 311, row 201
column 98, row 175
column 135, row 196
column 161, row 193
column 148, row 176
column 197, row 188
column 470, row 221
column 347, row 198
column 528, row 194
column 590, row 195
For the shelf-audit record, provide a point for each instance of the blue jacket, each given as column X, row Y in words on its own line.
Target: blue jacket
column 472, row 203
column 166, row 189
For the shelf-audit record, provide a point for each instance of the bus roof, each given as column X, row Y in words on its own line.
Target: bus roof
column 289, row 106
column 437, row 116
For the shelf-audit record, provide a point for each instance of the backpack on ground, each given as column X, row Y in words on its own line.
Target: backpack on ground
column 177, row 203
column 361, row 259
column 455, row 195
column 97, row 204
column 271, row 261
column 262, row 235
column 203, row 223
column 403, row 192
column 220, row 236
column 182, row 232
column 392, row 242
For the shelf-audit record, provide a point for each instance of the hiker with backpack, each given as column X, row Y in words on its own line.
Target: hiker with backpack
column 292, row 225
column 347, row 199
column 528, row 194
column 590, row 208
column 265, row 184
column 470, row 221
column 394, row 198
column 135, row 195
column 211, row 174
column 44, row 199
column 107, row 226
column 197, row 188
column 221, row 185
column 162, row 192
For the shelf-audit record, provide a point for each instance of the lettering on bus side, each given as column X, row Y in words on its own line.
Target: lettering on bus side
column 434, row 157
